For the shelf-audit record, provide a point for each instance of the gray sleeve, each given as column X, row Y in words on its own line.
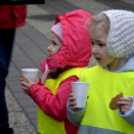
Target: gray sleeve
column 129, row 116
column 75, row 116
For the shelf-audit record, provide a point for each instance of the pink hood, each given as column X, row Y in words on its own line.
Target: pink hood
column 76, row 47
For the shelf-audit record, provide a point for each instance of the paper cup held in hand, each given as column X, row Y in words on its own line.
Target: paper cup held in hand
column 31, row 73
column 80, row 91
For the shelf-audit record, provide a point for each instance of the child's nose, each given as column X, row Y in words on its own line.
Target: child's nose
column 94, row 49
column 49, row 48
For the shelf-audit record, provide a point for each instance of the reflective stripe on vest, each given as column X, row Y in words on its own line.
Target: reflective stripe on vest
column 38, row 133
column 95, row 130
column 46, row 124
column 105, row 85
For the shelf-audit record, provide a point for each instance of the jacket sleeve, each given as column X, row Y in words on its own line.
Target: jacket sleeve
column 129, row 116
column 53, row 105
column 75, row 116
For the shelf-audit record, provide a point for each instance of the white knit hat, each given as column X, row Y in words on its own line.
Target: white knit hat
column 57, row 29
column 120, row 41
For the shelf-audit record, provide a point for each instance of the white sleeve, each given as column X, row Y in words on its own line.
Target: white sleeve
column 75, row 116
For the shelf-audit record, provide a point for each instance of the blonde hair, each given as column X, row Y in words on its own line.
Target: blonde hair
column 100, row 19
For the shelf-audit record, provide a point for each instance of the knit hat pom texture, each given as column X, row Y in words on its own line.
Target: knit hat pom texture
column 120, row 41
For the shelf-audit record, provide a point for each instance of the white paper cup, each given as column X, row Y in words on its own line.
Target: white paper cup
column 31, row 73
column 80, row 91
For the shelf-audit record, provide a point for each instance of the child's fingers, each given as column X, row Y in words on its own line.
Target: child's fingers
column 72, row 103
column 125, row 99
column 26, row 78
column 21, row 79
column 24, row 84
column 25, row 91
column 124, row 103
column 72, row 107
column 71, row 95
column 125, row 108
column 24, row 88
column 72, row 99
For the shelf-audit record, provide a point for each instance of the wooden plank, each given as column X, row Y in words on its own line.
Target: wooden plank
column 67, row 5
column 48, row 8
column 58, row 6
column 118, row 4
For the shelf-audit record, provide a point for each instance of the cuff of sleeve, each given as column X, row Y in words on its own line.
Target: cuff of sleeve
column 31, row 90
column 75, row 116
column 77, row 110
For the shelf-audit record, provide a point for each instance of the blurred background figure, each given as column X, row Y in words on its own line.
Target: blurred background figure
column 11, row 17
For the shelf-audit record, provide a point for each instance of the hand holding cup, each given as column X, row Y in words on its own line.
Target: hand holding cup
column 72, row 101
column 29, row 77
column 77, row 99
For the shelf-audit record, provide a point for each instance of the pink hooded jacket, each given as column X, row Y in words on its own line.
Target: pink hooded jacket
column 76, row 47
column 75, row 52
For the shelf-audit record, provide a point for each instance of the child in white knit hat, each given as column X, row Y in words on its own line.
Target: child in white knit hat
column 69, row 55
column 112, row 37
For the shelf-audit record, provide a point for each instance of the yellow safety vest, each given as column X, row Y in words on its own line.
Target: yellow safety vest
column 46, row 124
column 105, row 85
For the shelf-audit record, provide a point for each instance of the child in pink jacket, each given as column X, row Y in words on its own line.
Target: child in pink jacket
column 69, row 55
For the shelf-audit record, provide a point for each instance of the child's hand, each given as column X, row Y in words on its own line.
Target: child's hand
column 72, row 102
column 126, row 104
column 26, row 85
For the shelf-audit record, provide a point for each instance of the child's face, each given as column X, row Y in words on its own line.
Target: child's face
column 98, row 37
column 55, row 45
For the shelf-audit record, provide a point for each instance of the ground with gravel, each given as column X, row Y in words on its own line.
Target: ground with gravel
column 17, row 118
